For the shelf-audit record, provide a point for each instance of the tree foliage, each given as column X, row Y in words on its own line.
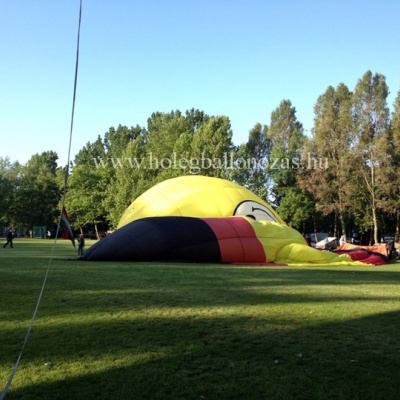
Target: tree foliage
column 393, row 204
column 251, row 162
column 286, row 138
column 330, row 142
column 37, row 193
column 371, row 143
column 9, row 173
column 345, row 174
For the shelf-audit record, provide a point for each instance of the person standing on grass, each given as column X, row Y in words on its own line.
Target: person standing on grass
column 9, row 239
column 81, row 245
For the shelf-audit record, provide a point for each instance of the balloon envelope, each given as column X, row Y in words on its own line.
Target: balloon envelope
column 203, row 219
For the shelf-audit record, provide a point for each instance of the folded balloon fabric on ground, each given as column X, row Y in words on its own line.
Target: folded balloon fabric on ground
column 205, row 219
column 217, row 240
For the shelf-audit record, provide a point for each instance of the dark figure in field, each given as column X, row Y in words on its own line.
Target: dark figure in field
column 81, row 245
column 9, row 239
column 355, row 237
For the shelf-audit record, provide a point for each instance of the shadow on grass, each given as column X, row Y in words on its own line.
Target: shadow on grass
column 76, row 288
column 119, row 331
column 221, row 358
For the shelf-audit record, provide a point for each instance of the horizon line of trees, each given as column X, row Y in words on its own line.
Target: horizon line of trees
column 354, row 181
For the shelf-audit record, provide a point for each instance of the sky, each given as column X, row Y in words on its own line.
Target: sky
column 224, row 57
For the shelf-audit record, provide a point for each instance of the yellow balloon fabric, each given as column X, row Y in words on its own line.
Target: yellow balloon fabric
column 201, row 197
column 208, row 197
column 284, row 245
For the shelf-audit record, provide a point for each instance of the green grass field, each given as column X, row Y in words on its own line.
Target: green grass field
column 196, row 331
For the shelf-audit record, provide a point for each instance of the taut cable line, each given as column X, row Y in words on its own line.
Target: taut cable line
column 10, row 379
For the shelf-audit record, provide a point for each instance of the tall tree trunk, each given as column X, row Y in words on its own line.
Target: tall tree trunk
column 335, row 225
column 373, row 192
column 97, row 232
column 376, row 241
column 342, row 225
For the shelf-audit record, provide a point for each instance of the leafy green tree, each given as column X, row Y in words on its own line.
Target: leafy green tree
column 212, row 146
column 91, row 153
column 371, row 144
column 251, row 160
column 196, row 118
column 103, row 160
column 394, row 199
column 84, row 199
column 286, row 138
column 297, row 209
column 129, row 180
column 38, row 193
column 9, row 173
column 329, row 179
column 173, row 144
column 116, row 140
column 152, row 156
column 163, row 130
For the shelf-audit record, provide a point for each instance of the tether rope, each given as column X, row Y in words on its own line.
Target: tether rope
column 10, row 379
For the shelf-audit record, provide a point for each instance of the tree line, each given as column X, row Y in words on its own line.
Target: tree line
column 344, row 175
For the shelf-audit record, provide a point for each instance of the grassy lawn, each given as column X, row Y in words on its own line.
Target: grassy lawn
column 196, row 331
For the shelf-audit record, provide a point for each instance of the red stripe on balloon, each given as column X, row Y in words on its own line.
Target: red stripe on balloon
column 237, row 240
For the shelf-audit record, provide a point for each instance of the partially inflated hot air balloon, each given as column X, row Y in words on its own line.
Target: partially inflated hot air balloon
column 204, row 219
column 200, row 197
